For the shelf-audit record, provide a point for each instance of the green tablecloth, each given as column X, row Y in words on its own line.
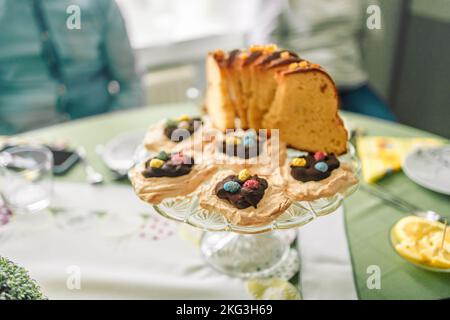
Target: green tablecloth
column 368, row 220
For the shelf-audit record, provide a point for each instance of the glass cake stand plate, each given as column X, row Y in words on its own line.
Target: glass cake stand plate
column 250, row 251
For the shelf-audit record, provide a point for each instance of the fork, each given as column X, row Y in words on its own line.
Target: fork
column 400, row 203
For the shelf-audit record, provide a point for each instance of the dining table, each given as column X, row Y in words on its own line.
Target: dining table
column 366, row 219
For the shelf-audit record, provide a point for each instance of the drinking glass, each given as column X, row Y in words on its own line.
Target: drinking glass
column 26, row 178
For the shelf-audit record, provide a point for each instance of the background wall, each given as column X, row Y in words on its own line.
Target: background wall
column 408, row 61
column 421, row 86
column 379, row 46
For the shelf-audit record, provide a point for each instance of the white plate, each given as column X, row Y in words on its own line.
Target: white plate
column 118, row 153
column 430, row 168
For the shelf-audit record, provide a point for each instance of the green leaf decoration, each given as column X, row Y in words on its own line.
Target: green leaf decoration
column 16, row 284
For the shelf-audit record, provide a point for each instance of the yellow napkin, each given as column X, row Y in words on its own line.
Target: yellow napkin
column 383, row 155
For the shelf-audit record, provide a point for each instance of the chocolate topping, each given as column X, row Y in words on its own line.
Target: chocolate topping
column 282, row 62
column 168, row 169
column 276, row 55
column 309, row 173
column 300, row 70
column 176, row 134
column 231, row 57
column 252, row 57
column 245, row 197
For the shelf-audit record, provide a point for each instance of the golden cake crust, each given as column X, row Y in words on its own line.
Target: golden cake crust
column 218, row 102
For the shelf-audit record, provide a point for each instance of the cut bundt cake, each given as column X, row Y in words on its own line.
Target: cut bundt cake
column 236, row 74
column 265, row 85
column 275, row 89
column 218, row 103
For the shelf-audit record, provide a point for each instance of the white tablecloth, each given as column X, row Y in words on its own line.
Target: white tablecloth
column 326, row 268
column 98, row 238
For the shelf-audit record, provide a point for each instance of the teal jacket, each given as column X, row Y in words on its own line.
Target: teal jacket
column 50, row 71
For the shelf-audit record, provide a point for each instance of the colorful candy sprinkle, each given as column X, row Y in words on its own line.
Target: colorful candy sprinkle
column 178, row 159
column 231, row 186
column 298, row 162
column 250, row 133
column 249, row 141
column 285, row 55
column 183, row 117
column 319, row 155
column 293, row 66
column 162, row 155
column 233, row 140
column 244, row 174
column 303, row 64
column 251, row 184
column 321, row 166
column 184, row 125
column 156, row 163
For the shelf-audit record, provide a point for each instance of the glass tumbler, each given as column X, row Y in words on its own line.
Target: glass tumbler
column 26, row 178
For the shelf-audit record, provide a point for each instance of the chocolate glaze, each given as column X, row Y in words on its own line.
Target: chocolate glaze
column 244, row 198
column 168, row 169
column 309, row 173
column 219, row 56
column 282, row 62
column 252, row 57
column 177, row 134
column 300, row 70
column 276, row 55
column 231, row 57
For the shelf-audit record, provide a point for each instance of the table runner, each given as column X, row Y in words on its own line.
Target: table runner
column 369, row 222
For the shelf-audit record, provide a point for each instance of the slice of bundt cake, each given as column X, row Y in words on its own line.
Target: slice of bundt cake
column 305, row 110
column 233, row 68
column 218, row 101
column 264, row 83
column 236, row 71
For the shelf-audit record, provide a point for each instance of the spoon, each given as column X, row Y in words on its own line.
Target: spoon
column 401, row 204
column 92, row 176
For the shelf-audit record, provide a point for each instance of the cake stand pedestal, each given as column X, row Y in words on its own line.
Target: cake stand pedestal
column 244, row 256
column 246, row 252
column 251, row 252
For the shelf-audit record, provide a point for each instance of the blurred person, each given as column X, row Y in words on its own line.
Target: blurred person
column 329, row 33
column 50, row 71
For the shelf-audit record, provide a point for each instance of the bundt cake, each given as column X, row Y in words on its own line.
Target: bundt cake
column 218, row 100
column 275, row 89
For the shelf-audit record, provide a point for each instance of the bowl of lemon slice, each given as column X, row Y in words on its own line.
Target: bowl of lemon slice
column 421, row 242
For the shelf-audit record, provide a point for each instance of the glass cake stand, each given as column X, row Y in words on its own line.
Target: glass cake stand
column 251, row 252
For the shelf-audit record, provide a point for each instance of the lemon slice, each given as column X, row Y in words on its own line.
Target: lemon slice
column 413, row 227
column 420, row 241
column 409, row 251
column 441, row 261
column 272, row 289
